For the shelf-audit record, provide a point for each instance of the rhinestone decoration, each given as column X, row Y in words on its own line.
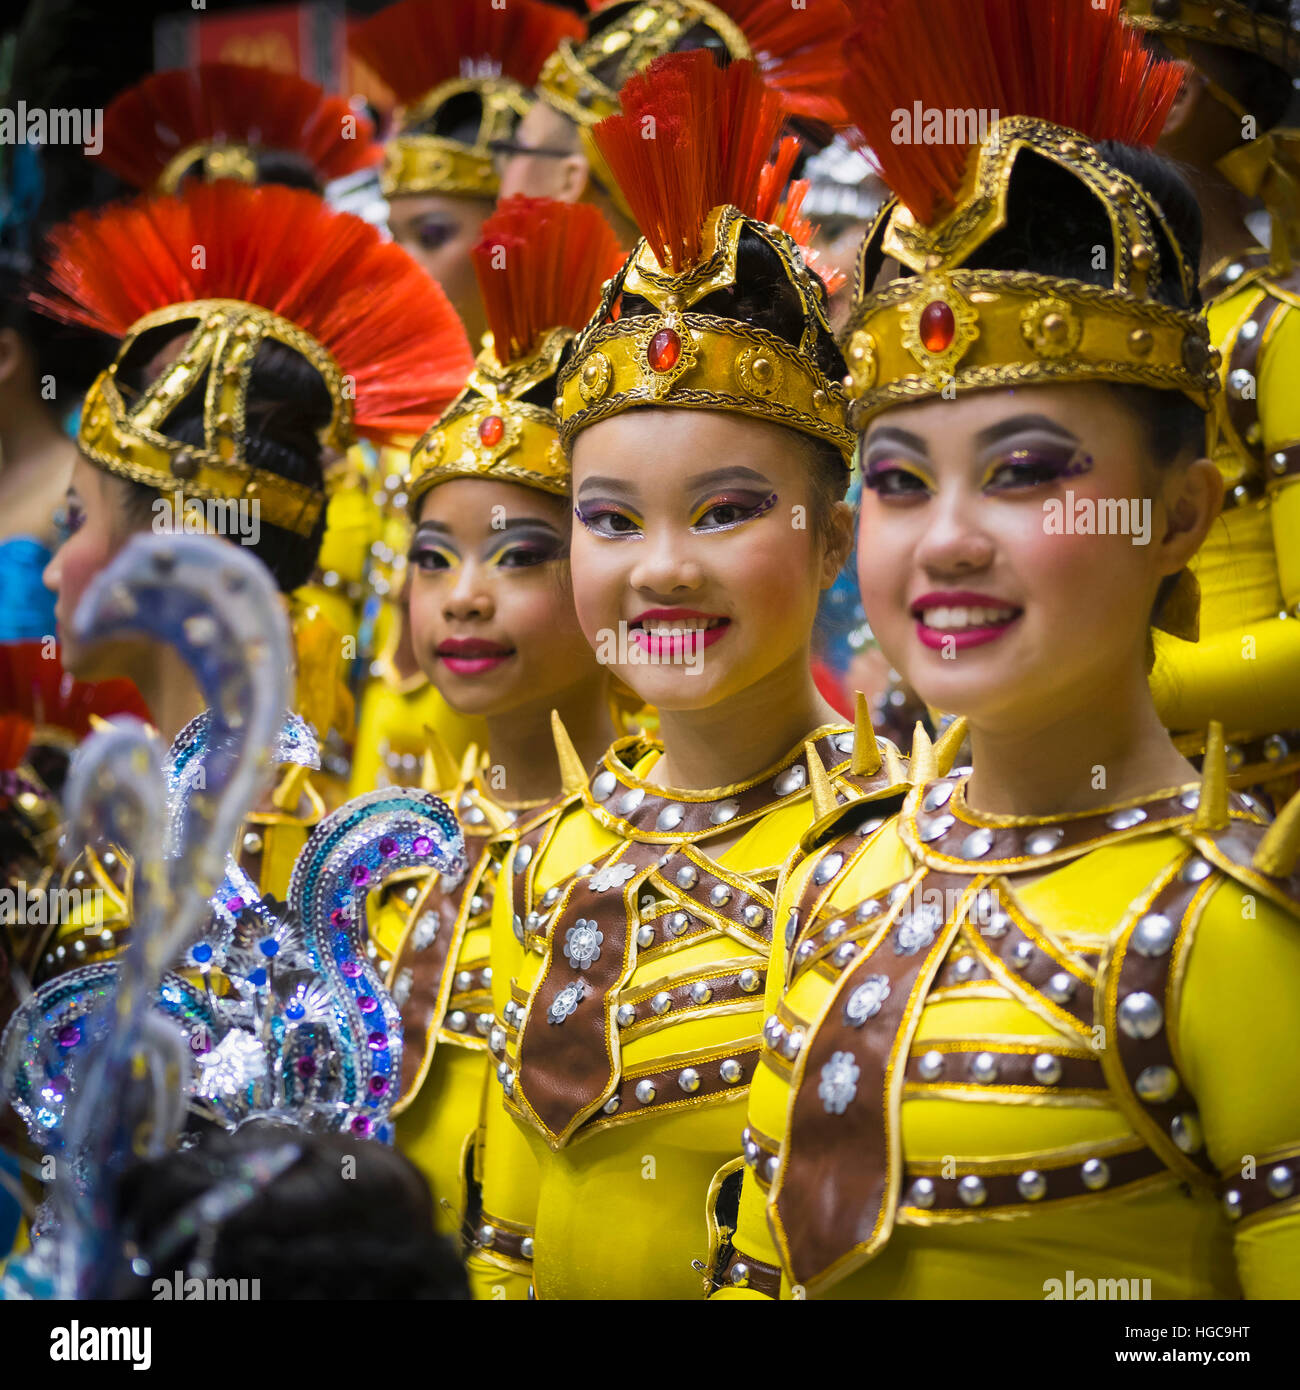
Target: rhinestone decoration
column 932, row 829
column 1195, row 870
column 724, row 811
column 630, row 800
column 866, row 1000
column 791, row 780
column 1044, row 841
column 977, row 843
column 1156, row 1085
column 921, row 1193
column 1153, row 935
column 918, row 929
column 839, row 1083
column 1140, row 1015
column 603, row 784
column 1127, row 818
column 566, row 1002
column 936, row 796
column 1185, row 1131
column 582, row 943
column 931, row 1065
column 827, row 868
column 609, row 876
column 670, row 817
column 972, row 1191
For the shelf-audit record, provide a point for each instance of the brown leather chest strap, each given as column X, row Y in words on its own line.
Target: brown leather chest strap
column 834, row 1196
column 1138, row 1059
column 567, row 1049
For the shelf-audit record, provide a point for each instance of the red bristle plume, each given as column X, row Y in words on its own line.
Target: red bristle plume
column 416, row 45
column 34, row 687
column 227, row 103
column 691, row 135
column 388, row 325
column 542, row 265
column 799, row 49
column 1063, row 61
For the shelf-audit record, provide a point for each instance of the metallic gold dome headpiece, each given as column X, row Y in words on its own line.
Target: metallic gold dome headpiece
column 696, row 189
column 949, row 328
column 273, row 264
column 1228, row 23
column 541, row 266
column 435, row 54
column 221, row 116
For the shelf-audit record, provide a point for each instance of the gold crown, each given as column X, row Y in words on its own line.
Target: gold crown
column 950, row 329
column 1223, row 22
column 419, row 163
column 219, row 162
column 488, row 432
column 702, row 361
column 129, row 439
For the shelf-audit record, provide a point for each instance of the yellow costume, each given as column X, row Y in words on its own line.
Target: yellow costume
column 1019, row 1056
column 1001, row 1048
column 617, row 1114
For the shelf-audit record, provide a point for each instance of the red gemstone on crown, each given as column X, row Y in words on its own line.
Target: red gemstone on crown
column 938, row 326
column 664, row 351
column 491, row 431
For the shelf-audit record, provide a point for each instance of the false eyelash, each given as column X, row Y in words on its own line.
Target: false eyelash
column 765, row 505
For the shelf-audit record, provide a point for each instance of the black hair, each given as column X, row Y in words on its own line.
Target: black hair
column 349, row 1218
column 288, row 405
column 763, row 296
column 458, row 118
column 68, row 355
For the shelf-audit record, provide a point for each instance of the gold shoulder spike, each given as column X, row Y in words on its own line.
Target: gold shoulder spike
column 823, row 794
column 469, row 763
column 925, row 767
column 949, row 744
column 1280, row 847
column 573, row 776
column 440, row 771
column 866, row 752
column 287, row 794
column 1212, row 810
column 896, row 771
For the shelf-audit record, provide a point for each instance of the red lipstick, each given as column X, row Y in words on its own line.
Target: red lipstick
column 955, row 619
column 472, row 656
column 669, row 645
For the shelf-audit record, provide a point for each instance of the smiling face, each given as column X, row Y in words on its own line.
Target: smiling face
column 98, row 526
column 492, row 618
column 1001, row 554
column 696, row 564
column 439, row 231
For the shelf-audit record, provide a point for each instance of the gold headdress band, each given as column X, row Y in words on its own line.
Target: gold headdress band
column 128, row 438
column 951, row 329
column 219, row 162
column 415, row 163
column 701, row 361
column 488, row 432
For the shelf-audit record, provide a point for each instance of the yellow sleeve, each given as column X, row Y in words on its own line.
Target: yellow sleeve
column 753, row 1235
column 509, row 1170
column 1285, row 514
column 1238, row 1035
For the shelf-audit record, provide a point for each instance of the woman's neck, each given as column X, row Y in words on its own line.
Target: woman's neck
column 169, row 690
column 736, row 739
column 1081, row 758
column 521, row 748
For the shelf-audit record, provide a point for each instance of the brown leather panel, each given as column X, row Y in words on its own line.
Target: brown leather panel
column 744, row 1272
column 565, row 1066
column 834, row 1192
column 1276, row 1185
column 669, row 1092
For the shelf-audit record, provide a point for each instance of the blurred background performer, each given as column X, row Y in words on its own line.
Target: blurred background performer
column 494, row 629
column 1231, row 130
column 798, row 49
column 235, row 379
column 254, row 126
column 461, row 71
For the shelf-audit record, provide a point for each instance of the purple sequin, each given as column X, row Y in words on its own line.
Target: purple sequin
column 367, row 1003
column 305, row 1066
column 235, row 904
column 361, row 1126
column 70, row 1035
column 378, row 1041
column 351, row 969
column 388, row 847
column 378, row 1085
column 360, row 875
column 422, row 844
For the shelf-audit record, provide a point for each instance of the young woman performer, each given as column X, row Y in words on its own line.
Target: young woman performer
column 703, row 415
column 258, row 329
column 494, row 629
column 1007, row 1040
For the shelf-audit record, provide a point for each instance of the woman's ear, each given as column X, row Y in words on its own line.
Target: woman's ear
column 839, row 544
column 1183, row 110
column 1193, row 498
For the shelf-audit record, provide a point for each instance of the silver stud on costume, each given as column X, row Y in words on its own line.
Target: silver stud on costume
column 1232, row 1204
column 791, row 780
column 1185, row 1131
column 932, row 829
column 1140, row 1015
column 972, row 1191
column 1127, row 818
column 1046, row 1069
column 700, row 993
column 931, row 1065
column 645, row 1091
column 1280, row 1182
column 936, row 796
column 630, row 800
column 670, row 817
column 1153, row 935
column 1022, row 954
column 719, row 895
column 625, row 1015
column 1044, row 841
column 827, row 868
column 687, row 876
column 688, row 1079
column 678, row 922
column 749, row 981
column 868, row 909
column 1157, row 1084
column 662, row 1002
column 836, row 929
column 1194, row 870
column 984, row 1067
column 457, row 1021
column 603, row 785
column 977, row 844
column 1032, row 1185
column 921, row 1193
column 724, row 811
column 793, row 1043
column 645, row 936
column 1060, row 987
column 729, row 1070
column 1095, row 1174
column 523, row 856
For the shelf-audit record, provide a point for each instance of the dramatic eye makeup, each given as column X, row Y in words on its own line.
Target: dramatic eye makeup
column 69, row 518
column 1029, row 451
column 726, row 511
column 895, row 465
column 432, row 233
column 518, row 544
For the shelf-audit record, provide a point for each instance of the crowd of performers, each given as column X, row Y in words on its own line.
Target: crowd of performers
column 516, row 805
